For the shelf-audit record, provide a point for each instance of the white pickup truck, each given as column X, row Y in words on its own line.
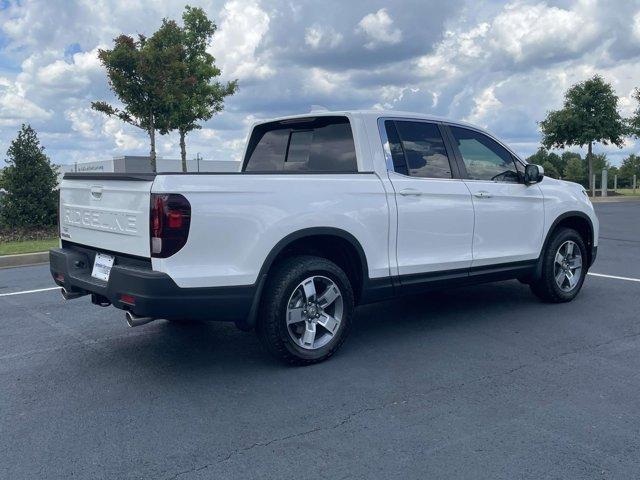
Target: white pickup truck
column 330, row 210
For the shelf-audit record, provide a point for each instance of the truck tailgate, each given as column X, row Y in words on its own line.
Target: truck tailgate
column 109, row 214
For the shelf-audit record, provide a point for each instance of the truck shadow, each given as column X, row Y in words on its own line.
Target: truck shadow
column 407, row 320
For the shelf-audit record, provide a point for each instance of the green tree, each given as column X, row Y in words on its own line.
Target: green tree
column 200, row 96
column 634, row 121
column 589, row 115
column 630, row 167
column 30, row 181
column 543, row 156
column 567, row 155
column 611, row 175
column 550, row 169
column 574, row 171
column 144, row 73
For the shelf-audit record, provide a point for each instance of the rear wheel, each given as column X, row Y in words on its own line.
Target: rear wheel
column 306, row 310
column 563, row 268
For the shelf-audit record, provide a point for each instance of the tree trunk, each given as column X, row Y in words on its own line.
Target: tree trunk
column 590, row 166
column 183, row 150
column 152, row 153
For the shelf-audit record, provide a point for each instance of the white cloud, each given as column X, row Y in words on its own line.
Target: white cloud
column 15, row 107
column 484, row 103
column 78, row 73
column 526, row 31
column 84, row 121
column 321, row 37
column 391, row 95
column 125, row 141
column 244, row 25
column 324, row 81
column 378, row 27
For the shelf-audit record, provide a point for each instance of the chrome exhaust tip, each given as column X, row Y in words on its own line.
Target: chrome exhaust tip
column 135, row 321
column 67, row 295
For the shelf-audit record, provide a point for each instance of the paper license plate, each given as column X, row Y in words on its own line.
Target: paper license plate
column 102, row 266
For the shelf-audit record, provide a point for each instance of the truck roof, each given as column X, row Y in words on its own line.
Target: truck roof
column 375, row 114
column 368, row 114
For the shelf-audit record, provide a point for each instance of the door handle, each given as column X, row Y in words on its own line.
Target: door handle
column 482, row 194
column 407, row 192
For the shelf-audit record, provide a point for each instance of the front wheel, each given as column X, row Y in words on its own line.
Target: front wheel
column 306, row 310
column 564, row 267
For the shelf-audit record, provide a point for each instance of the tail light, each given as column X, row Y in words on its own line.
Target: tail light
column 169, row 223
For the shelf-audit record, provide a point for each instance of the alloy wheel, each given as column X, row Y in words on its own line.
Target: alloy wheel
column 568, row 266
column 314, row 312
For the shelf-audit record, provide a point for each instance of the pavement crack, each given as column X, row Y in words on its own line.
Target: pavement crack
column 191, row 470
column 343, row 421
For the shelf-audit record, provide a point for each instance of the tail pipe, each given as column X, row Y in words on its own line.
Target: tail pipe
column 135, row 321
column 67, row 295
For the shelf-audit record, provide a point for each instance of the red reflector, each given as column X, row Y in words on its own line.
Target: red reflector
column 128, row 299
column 175, row 219
column 59, row 277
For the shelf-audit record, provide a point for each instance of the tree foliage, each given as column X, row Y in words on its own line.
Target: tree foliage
column 144, row 75
column 167, row 81
column 575, row 171
column 630, row 167
column 634, row 121
column 552, row 163
column 30, row 181
column 589, row 115
column 200, row 95
column 550, row 170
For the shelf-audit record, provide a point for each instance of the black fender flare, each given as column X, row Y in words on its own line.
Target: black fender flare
column 556, row 222
column 250, row 322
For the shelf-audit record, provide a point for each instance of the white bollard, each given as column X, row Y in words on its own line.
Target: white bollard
column 593, row 186
column 603, row 185
column 615, row 183
column 634, row 184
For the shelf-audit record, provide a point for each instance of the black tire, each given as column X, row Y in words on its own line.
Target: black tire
column 546, row 287
column 272, row 328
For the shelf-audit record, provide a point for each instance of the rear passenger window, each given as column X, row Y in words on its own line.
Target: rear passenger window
column 313, row 145
column 422, row 148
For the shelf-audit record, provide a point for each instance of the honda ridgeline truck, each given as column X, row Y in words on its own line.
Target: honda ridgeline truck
column 329, row 210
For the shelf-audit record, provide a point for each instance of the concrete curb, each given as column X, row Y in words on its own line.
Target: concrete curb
column 615, row 199
column 23, row 259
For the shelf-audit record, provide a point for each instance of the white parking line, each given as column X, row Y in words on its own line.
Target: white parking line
column 29, row 291
column 615, row 277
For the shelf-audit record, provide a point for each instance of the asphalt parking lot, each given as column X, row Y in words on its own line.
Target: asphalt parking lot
column 481, row 382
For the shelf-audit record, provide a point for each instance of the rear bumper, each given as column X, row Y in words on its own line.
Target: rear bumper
column 155, row 294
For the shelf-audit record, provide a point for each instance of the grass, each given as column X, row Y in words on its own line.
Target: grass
column 628, row 191
column 27, row 246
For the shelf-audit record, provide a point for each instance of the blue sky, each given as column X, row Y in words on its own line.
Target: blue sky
column 501, row 65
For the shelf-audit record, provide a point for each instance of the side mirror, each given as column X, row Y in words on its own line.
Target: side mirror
column 533, row 174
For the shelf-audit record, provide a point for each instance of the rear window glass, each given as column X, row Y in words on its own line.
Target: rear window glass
column 417, row 149
column 321, row 144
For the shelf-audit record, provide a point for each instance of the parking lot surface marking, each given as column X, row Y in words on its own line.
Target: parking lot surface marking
column 29, row 291
column 615, row 277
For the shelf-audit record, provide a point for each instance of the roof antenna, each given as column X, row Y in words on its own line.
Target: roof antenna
column 318, row 108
